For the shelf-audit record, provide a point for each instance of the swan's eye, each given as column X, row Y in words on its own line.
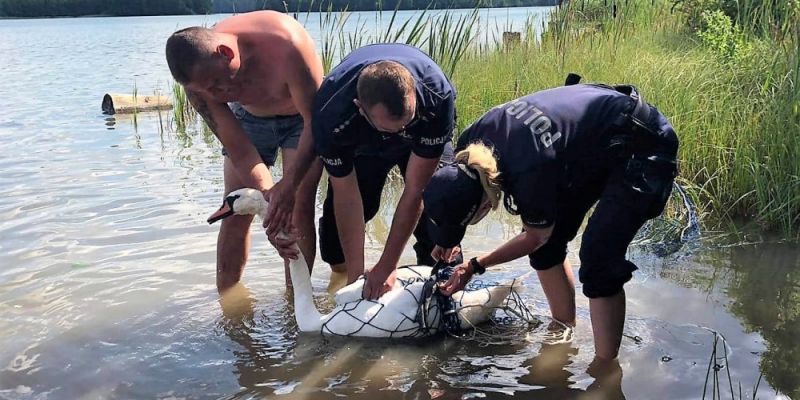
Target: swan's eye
column 232, row 199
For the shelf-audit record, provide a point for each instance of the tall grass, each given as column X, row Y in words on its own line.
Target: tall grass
column 738, row 121
column 183, row 113
column 445, row 36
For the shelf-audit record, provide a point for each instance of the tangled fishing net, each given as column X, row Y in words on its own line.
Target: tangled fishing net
column 677, row 226
column 514, row 322
column 488, row 313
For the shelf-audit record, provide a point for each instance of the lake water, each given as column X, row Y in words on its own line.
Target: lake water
column 107, row 279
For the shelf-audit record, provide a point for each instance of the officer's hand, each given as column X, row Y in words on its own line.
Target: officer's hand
column 379, row 280
column 458, row 281
column 446, row 255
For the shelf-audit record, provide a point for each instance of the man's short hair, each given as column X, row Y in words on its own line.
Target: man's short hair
column 185, row 49
column 388, row 83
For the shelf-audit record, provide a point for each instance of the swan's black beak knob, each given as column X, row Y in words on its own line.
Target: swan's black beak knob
column 225, row 211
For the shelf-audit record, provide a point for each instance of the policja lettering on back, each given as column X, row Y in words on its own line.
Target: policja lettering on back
column 538, row 123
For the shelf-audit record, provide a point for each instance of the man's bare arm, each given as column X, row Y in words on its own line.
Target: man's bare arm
column 303, row 84
column 304, row 78
column 228, row 130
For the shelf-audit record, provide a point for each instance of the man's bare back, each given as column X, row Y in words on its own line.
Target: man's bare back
column 265, row 39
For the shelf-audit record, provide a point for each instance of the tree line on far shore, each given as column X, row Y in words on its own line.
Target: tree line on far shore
column 76, row 8
column 228, row 6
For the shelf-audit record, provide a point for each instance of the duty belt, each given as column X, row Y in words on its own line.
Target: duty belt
column 637, row 132
column 638, row 119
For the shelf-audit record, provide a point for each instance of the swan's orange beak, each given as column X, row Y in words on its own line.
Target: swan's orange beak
column 224, row 212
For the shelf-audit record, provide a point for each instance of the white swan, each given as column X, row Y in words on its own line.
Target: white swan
column 395, row 314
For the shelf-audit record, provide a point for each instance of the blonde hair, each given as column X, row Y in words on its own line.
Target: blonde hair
column 481, row 158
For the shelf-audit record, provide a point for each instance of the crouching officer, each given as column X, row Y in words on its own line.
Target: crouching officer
column 551, row 155
column 384, row 105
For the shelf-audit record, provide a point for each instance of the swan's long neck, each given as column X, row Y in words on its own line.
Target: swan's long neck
column 306, row 313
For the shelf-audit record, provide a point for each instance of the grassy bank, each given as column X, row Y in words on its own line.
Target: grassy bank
column 730, row 87
column 738, row 115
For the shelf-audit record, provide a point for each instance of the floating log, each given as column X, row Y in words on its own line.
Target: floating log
column 114, row 103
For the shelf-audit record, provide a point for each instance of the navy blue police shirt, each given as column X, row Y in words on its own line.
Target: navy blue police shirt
column 535, row 138
column 340, row 131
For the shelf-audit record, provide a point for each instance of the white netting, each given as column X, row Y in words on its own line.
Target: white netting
column 514, row 322
column 486, row 312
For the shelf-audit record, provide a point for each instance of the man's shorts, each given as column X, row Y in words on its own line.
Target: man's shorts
column 268, row 134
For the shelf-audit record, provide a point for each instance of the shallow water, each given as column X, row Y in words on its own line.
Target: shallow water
column 107, row 279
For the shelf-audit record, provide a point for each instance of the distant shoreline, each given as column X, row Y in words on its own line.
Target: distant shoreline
column 553, row 3
column 72, row 16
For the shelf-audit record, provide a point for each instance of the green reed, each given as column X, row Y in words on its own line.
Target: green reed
column 183, row 114
column 443, row 35
column 714, row 381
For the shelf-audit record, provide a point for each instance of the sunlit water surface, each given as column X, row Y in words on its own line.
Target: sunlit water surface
column 107, row 279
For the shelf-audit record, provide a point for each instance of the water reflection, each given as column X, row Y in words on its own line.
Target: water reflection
column 765, row 290
column 265, row 343
column 272, row 358
column 607, row 381
column 548, row 369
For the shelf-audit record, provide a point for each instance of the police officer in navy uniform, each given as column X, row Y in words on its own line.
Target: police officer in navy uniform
column 551, row 156
column 384, row 105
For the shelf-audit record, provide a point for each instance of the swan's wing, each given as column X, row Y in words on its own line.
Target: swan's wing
column 349, row 293
column 393, row 315
column 476, row 306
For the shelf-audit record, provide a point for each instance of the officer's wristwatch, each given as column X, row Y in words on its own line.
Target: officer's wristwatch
column 477, row 268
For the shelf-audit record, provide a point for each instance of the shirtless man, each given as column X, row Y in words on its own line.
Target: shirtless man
column 253, row 78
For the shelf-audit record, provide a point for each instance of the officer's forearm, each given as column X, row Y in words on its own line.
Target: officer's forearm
column 521, row 245
column 349, row 213
column 405, row 219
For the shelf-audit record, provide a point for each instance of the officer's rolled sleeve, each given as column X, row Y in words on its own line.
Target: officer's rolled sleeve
column 338, row 161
